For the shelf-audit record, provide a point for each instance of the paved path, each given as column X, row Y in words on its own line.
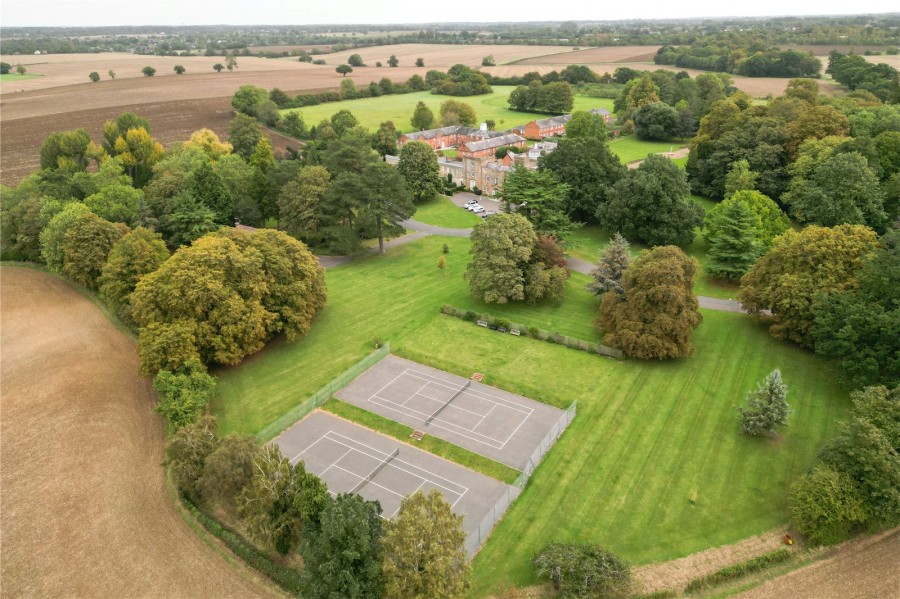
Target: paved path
column 422, row 230
column 679, row 153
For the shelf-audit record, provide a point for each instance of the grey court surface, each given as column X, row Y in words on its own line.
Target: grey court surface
column 344, row 455
column 497, row 424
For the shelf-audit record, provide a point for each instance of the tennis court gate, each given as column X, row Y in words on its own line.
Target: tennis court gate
column 480, row 534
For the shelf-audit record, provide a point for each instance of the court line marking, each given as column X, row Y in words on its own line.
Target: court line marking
column 391, row 465
column 449, row 385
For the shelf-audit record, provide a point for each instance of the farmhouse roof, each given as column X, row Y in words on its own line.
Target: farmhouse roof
column 496, row 142
column 553, row 121
column 451, row 130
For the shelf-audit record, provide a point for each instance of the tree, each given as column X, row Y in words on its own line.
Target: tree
column 183, row 393
column 218, row 67
column 859, row 328
column 842, row 190
column 135, row 255
column 815, row 122
column 656, row 121
column 230, row 62
column 583, row 570
column 539, row 197
column 343, row 69
column 614, row 260
column 112, row 74
column 148, row 71
column 651, row 203
column 247, row 97
column 422, row 117
column 20, row 69
column 355, row 60
column 384, row 200
column 186, row 454
column 208, row 188
column 501, row 245
column 228, row 470
column 190, row 220
column 768, row 219
column 113, row 130
column 734, row 247
column 300, row 204
column 384, row 141
column 281, row 502
column 657, row 311
column 293, row 124
column 454, row 112
column 419, row 167
column 138, row 152
column 67, row 149
column 799, row 266
column 590, row 170
column 803, row 89
column 244, row 133
column 767, row 407
column 740, row 178
column 209, row 142
column 420, row 62
column 5, row 68
column 424, row 553
column 586, row 125
column 344, row 559
column 86, row 246
column 53, row 235
column 416, row 83
column 117, row 203
column 825, row 505
column 392, row 61
column 179, row 69
column 642, row 91
column 343, row 122
column 94, row 76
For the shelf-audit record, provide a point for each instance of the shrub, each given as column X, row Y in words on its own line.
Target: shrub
column 825, row 505
column 583, row 570
column 502, row 323
column 447, row 309
column 738, row 570
column 184, row 392
column 470, row 316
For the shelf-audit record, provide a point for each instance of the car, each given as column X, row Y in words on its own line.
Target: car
column 478, row 209
column 474, row 208
column 471, row 202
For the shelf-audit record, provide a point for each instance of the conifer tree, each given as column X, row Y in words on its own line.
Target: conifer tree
column 734, row 247
column 614, row 259
column 767, row 406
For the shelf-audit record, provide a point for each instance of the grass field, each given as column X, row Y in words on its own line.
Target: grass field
column 649, row 436
column 441, row 212
column 630, row 148
column 371, row 112
column 16, row 77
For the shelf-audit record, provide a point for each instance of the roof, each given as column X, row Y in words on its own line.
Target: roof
column 496, row 142
column 553, row 121
column 452, row 130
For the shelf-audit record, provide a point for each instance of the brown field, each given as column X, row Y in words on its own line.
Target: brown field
column 860, row 569
column 443, row 56
column 86, row 511
column 591, row 56
column 288, row 48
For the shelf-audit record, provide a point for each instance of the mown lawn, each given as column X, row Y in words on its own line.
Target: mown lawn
column 442, row 212
column 371, row 112
column 629, row 148
column 648, row 435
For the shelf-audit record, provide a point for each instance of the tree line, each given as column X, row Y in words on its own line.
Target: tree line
column 754, row 60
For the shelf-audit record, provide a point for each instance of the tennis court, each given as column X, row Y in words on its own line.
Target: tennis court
column 352, row 459
column 497, row 424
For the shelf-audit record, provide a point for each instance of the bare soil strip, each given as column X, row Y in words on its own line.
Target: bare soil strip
column 86, row 512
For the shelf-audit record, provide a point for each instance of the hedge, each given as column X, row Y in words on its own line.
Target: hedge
column 533, row 332
column 738, row 570
column 287, row 578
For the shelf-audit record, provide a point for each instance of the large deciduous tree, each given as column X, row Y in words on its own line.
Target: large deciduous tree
column 582, row 570
column 300, row 204
column 419, row 167
column 244, row 133
column 657, row 121
column 501, row 247
column 590, row 170
column 825, row 505
column 422, row 117
column 799, row 267
column 657, row 312
column 652, row 204
column 135, row 255
column 117, row 203
column 53, row 235
column 344, row 558
column 183, row 393
column 454, row 112
column 186, row 454
column 586, row 125
column 424, row 553
column 86, row 246
column 383, row 201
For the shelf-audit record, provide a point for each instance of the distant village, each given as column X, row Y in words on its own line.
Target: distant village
column 476, row 164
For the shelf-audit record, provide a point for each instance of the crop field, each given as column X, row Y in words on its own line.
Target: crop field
column 16, row 77
column 590, row 56
column 371, row 112
column 444, row 56
column 649, row 436
column 85, row 504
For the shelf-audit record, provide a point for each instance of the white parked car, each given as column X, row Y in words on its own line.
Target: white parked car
column 478, row 209
column 473, row 207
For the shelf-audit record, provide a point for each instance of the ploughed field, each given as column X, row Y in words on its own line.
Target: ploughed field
column 86, row 510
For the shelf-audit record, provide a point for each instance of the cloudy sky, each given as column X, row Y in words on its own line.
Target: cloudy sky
column 289, row 12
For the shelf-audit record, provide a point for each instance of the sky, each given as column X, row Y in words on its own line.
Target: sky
column 62, row 13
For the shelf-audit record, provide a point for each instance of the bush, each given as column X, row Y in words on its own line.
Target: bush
column 184, row 393
column 583, row 570
column 738, row 570
column 825, row 505
column 534, row 332
column 447, row 309
column 470, row 316
column 502, row 323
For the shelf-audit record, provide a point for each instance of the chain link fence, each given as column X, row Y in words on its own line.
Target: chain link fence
column 323, row 394
column 480, row 534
